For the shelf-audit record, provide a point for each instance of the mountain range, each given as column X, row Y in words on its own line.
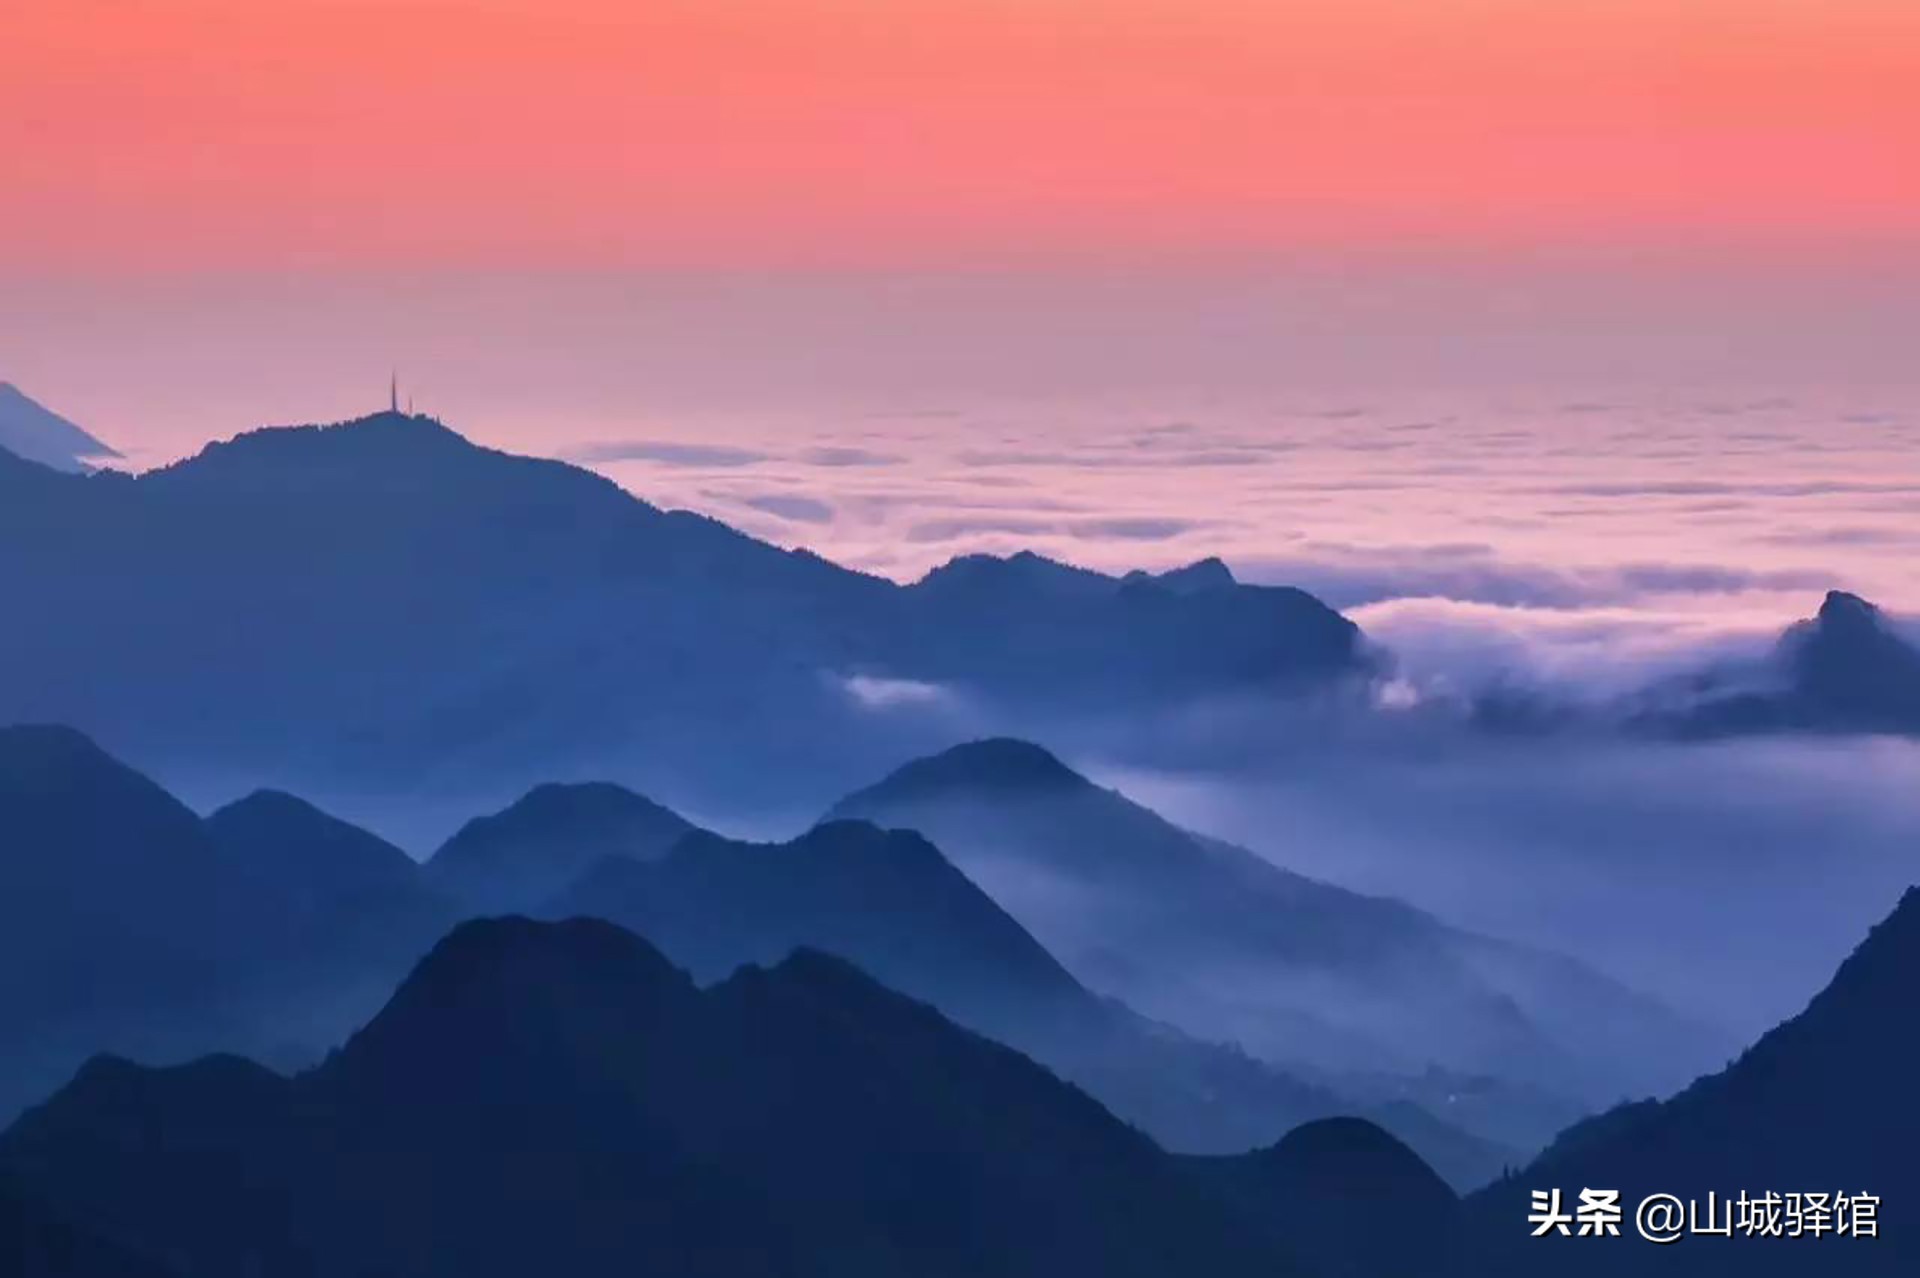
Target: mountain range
column 466, row 623
column 463, row 619
column 890, row 902
column 558, row 1098
column 985, row 1017
column 273, row 928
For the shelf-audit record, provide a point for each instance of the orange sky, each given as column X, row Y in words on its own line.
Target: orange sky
column 215, row 135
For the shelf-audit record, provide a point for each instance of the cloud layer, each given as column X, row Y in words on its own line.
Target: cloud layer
column 1694, row 502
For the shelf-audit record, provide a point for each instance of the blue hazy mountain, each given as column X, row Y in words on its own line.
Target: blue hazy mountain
column 384, row 604
column 1823, row 1104
column 1224, row 944
column 522, row 856
column 889, row 902
column 559, row 1099
column 1848, row 668
column 274, row 927
column 320, row 863
column 128, row 923
column 30, row 431
column 116, row 908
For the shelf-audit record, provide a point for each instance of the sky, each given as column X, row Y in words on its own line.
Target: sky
column 1576, row 304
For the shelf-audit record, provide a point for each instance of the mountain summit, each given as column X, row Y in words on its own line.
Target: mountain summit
column 1849, row 668
column 1852, row 664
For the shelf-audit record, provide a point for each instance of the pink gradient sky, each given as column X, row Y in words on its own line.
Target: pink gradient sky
column 935, row 231
column 223, row 135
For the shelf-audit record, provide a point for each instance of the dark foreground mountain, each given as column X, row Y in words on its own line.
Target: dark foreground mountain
column 559, row 1099
column 37, row 434
column 36, row 1243
column 1825, row 1104
column 386, row 606
column 1344, row 1196
column 1214, row 939
column 891, row 903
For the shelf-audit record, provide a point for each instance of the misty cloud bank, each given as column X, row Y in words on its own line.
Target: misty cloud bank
column 1727, row 878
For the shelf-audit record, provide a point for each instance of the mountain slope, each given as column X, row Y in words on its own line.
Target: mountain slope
column 320, row 861
column 1217, row 940
column 1822, row 1104
column 111, row 894
column 31, row 431
column 556, row 1098
column 128, row 924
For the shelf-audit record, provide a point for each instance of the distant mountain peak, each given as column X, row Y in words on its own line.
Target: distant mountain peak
column 54, row 740
column 552, row 799
column 1005, row 764
column 1023, row 568
column 271, row 831
column 275, row 802
column 1855, row 667
column 383, row 434
column 1210, row 573
column 527, row 852
column 1843, row 608
column 55, row 768
column 32, row 431
column 599, row 810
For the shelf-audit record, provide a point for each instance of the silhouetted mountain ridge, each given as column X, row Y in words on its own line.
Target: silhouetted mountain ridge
column 427, row 610
column 128, row 924
column 557, row 1098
